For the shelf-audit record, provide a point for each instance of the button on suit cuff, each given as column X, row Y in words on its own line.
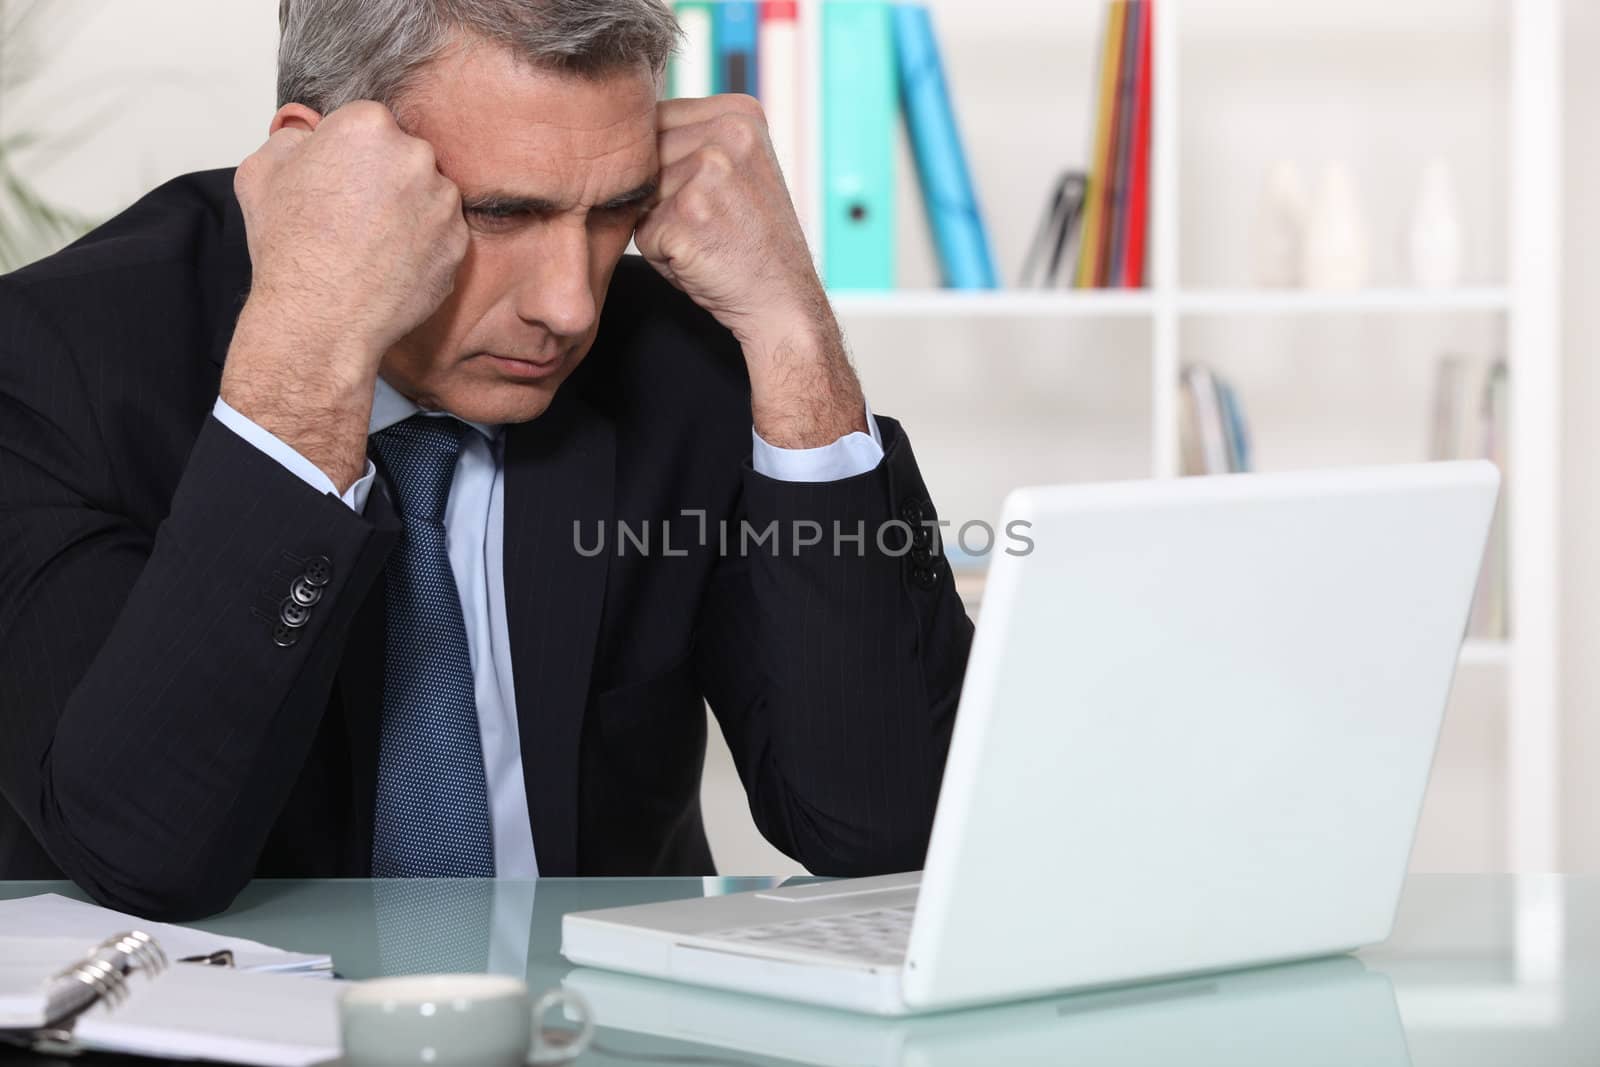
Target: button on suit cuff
column 275, row 448
column 853, row 454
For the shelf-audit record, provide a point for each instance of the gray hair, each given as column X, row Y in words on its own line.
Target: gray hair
column 332, row 52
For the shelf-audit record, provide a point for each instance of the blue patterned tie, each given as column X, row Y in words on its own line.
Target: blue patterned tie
column 432, row 815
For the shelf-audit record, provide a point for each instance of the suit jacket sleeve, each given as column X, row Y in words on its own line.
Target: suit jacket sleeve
column 153, row 727
column 834, row 670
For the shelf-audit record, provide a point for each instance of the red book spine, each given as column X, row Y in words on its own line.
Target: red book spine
column 1139, row 194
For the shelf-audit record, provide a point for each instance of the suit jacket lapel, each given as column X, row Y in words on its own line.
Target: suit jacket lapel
column 559, row 470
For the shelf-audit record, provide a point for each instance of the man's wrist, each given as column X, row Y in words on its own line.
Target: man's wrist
column 347, row 359
column 803, row 391
column 314, row 394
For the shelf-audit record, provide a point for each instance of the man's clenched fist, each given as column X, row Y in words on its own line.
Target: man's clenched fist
column 355, row 238
column 724, row 230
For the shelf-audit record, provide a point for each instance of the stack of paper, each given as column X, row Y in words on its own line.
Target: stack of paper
column 50, row 915
column 195, row 1012
column 254, row 1012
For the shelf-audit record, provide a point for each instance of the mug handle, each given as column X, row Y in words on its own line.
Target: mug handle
column 572, row 1043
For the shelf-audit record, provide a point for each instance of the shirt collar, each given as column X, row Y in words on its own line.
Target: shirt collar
column 389, row 406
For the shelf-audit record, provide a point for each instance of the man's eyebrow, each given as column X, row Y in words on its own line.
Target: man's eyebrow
column 509, row 204
column 637, row 195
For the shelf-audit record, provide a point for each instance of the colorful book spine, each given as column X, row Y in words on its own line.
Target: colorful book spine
column 1094, row 221
column 738, row 37
column 1238, row 433
column 1139, row 189
column 694, row 69
column 965, row 258
column 781, row 82
column 859, row 108
column 1112, row 263
column 1214, row 435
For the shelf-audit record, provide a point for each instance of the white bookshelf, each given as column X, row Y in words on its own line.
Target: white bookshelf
column 935, row 303
column 1356, row 302
column 1115, row 303
column 1517, row 301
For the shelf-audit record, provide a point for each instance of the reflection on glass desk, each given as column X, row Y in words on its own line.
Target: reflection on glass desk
column 1481, row 970
column 1334, row 1011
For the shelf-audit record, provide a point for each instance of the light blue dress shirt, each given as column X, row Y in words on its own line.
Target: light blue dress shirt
column 474, row 531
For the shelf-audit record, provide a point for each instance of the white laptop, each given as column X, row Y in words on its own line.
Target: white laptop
column 1195, row 732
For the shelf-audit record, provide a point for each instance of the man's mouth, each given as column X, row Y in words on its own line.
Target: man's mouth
column 529, row 369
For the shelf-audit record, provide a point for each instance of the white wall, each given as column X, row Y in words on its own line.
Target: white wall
column 142, row 91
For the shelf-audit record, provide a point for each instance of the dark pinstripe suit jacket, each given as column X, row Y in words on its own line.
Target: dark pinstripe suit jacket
column 159, row 747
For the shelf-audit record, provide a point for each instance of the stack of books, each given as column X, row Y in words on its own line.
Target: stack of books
column 1213, row 435
column 879, row 61
column 1115, row 218
column 741, row 46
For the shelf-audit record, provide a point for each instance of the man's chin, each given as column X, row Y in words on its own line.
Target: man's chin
column 501, row 404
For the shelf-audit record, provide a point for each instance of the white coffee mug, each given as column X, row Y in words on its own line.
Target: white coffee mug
column 448, row 1019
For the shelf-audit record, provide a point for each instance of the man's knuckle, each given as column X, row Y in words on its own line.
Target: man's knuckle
column 415, row 170
column 370, row 120
column 695, row 205
column 740, row 134
column 714, row 161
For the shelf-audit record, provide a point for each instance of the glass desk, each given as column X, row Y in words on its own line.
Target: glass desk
column 1481, row 970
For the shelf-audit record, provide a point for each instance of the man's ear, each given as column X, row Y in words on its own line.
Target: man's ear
column 294, row 116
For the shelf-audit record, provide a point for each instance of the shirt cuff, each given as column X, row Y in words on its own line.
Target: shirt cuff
column 274, row 447
column 854, row 453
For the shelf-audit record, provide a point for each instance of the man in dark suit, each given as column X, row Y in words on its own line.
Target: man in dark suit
column 367, row 511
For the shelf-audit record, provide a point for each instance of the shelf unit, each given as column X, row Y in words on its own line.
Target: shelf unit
column 1115, row 303
column 1526, row 306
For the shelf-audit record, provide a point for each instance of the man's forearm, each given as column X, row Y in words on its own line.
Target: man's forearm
column 323, row 416
column 864, row 647
column 803, row 391
column 196, row 710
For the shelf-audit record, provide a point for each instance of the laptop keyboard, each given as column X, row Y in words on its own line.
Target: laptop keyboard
column 878, row 936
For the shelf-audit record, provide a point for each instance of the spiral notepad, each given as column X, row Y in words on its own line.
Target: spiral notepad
column 188, row 1012
column 53, row 1003
column 268, row 1007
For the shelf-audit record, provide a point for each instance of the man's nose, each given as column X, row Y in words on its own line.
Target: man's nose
column 555, row 291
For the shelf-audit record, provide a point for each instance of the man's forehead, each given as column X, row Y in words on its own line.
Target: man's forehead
column 502, row 128
column 478, row 95
column 528, row 162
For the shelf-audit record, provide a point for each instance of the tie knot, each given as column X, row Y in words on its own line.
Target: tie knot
column 420, row 454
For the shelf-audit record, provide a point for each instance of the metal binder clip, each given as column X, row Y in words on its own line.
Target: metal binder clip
column 100, row 977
